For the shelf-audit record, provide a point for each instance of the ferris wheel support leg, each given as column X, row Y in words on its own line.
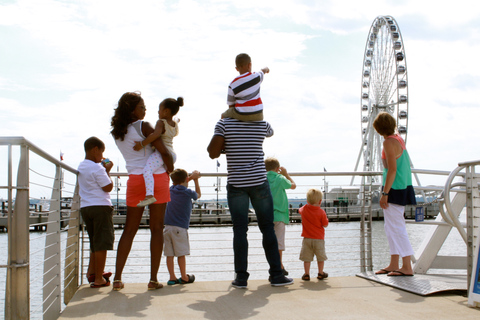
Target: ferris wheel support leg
column 358, row 161
column 418, row 182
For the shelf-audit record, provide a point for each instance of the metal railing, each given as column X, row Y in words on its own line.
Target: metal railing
column 40, row 280
column 468, row 189
column 44, row 270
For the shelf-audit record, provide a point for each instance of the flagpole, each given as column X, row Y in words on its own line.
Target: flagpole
column 325, row 184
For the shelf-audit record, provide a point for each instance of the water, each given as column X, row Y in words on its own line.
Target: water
column 211, row 256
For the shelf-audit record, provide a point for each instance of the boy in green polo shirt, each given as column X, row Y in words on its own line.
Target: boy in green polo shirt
column 279, row 181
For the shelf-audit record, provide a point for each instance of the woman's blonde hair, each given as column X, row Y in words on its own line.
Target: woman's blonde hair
column 384, row 124
column 314, row 196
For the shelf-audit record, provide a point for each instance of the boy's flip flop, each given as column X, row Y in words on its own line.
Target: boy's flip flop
column 93, row 285
column 106, row 276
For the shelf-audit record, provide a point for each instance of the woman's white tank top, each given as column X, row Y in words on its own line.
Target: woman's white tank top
column 135, row 160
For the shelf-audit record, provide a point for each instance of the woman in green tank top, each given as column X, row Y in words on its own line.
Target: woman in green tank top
column 397, row 192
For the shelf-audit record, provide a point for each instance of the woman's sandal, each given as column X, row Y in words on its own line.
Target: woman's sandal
column 154, row 285
column 191, row 278
column 118, row 285
column 306, row 277
column 322, row 276
column 383, row 271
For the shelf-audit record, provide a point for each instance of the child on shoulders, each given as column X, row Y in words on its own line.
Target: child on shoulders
column 244, row 102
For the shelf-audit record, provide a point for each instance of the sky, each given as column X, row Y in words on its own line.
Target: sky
column 64, row 65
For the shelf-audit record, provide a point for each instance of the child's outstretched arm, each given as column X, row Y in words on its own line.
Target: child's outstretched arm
column 265, row 70
column 195, row 176
column 157, row 132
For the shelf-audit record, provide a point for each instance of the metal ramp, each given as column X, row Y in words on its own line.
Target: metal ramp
column 421, row 284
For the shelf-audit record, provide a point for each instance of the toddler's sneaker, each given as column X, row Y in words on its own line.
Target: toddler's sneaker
column 239, row 284
column 146, row 202
column 282, row 281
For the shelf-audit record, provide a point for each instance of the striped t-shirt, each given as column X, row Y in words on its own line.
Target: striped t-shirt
column 243, row 147
column 244, row 93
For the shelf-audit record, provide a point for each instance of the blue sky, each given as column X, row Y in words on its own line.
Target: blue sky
column 65, row 65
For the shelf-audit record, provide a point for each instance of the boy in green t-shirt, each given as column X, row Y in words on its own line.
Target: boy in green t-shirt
column 279, row 181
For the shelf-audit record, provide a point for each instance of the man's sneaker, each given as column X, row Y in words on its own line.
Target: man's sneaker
column 239, row 284
column 285, row 272
column 282, row 281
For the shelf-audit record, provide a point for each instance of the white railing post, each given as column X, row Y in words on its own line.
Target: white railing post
column 17, row 304
column 362, row 197
column 365, row 197
column 52, row 277
column 369, row 227
column 473, row 212
column 72, row 255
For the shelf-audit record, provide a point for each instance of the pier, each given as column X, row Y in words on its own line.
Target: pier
column 332, row 298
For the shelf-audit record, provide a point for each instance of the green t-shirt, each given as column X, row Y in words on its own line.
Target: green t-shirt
column 278, row 184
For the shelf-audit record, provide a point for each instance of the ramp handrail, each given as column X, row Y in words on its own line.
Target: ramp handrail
column 449, row 216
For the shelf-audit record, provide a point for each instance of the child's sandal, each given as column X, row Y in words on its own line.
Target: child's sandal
column 322, row 276
column 306, row 277
column 172, row 282
column 191, row 279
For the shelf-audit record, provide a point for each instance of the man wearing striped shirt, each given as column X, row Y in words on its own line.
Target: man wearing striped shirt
column 247, row 181
column 243, row 99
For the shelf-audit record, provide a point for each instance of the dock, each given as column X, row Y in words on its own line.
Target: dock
column 38, row 220
column 332, row 298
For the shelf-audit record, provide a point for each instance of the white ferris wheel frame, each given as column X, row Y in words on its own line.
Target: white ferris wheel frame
column 384, row 88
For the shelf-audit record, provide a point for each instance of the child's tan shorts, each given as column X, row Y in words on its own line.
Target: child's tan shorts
column 279, row 227
column 176, row 241
column 232, row 113
column 313, row 247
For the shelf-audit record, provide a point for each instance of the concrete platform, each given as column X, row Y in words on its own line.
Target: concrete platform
column 332, row 298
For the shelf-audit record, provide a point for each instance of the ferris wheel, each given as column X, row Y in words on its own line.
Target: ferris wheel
column 383, row 88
